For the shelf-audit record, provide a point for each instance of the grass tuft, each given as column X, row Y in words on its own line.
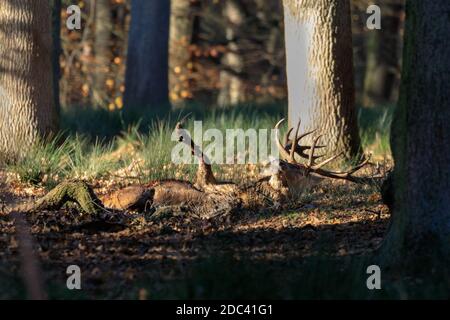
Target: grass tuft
column 100, row 144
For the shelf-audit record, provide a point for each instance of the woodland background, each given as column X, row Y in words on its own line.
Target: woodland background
column 93, row 60
column 226, row 65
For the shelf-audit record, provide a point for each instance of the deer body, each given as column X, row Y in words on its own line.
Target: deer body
column 207, row 197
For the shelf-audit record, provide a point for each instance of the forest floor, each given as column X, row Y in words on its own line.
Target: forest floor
column 318, row 248
column 165, row 259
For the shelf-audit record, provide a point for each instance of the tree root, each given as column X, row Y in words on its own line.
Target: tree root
column 70, row 191
column 211, row 201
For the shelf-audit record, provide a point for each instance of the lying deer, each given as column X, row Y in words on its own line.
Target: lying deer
column 207, row 197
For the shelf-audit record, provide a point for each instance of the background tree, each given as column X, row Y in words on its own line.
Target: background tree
column 146, row 79
column 27, row 109
column 182, row 17
column 232, row 86
column 320, row 71
column 102, row 50
column 359, row 34
column 57, row 50
column 199, row 57
column 420, row 225
column 383, row 56
column 270, row 21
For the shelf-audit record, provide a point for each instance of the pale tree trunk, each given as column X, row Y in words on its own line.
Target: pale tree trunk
column 232, row 86
column 146, row 78
column 27, row 110
column 181, row 31
column 383, row 56
column 420, row 224
column 102, row 49
column 320, row 72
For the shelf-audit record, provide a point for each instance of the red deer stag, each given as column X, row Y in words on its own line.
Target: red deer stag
column 206, row 197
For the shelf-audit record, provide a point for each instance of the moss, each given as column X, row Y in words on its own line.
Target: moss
column 71, row 191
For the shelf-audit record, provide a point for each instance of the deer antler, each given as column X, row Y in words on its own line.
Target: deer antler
column 292, row 148
column 287, row 151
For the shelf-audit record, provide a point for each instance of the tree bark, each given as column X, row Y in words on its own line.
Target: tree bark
column 232, row 86
column 359, row 34
column 181, row 32
column 27, row 105
column 269, row 15
column 383, row 56
column 146, row 76
column 320, row 72
column 102, row 49
column 57, row 50
column 420, row 224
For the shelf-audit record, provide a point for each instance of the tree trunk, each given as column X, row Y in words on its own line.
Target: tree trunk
column 269, row 15
column 181, row 31
column 57, row 50
column 27, row 109
column 146, row 76
column 383, row 56
column 420, row 226
column 232, row 86
column 359, row 34
column 102, row 48
column 320, row 72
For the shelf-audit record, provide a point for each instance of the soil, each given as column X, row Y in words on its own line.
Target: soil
column 336, row 219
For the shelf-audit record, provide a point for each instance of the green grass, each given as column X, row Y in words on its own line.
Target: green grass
column 42, row 162
column 89, row 136
column 84, row 158
column 375, row 125
column 48, row 163
column 107, row 125
column 92, row 136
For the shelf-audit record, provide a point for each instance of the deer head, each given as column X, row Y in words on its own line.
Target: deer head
column 287, row 173
column 205, row 175
column 297, row 176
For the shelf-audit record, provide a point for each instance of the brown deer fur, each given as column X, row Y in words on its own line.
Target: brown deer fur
column 206, row 198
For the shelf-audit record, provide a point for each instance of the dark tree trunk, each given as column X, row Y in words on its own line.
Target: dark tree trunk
column 57, row 50
column 146, row 76
column 320, row 72
column 383, row 56
column 268, row 12
column 420, row 225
